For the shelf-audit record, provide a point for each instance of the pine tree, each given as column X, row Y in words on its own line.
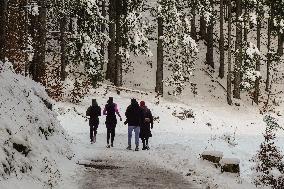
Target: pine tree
column 269, row 160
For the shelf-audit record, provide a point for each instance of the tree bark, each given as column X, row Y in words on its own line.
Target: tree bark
column 63, row 43
column 160, row 59
column 238, row 57
column 221, row 42
column 111, row 68
column 103, row 28
column 257, row 67
column 39, row 55
column 202, row 31
column 280, row 44
column 229, row 76
column 267, row 86
column 193, row 27
column 210, row 42
column 3, row 28
column 119, row 33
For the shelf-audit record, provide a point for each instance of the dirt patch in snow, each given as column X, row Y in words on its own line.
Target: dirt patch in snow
column 126, row 175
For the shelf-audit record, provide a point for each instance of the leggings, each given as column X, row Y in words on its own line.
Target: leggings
column 145, row 141
column 110, row 134
column 93, row 131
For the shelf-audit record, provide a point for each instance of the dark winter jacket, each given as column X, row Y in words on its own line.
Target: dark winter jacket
column 94, row 112
column 145, row 131
column 134, row 114
column 109, row 111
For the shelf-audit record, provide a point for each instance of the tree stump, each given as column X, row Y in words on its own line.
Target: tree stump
column 230, row 165
column 212, row 156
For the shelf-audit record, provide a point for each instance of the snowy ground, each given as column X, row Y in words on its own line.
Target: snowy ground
column 176, row 144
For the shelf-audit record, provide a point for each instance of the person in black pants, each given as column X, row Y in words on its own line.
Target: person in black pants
column 93, row 112
column 110, row 111
column 145, row 131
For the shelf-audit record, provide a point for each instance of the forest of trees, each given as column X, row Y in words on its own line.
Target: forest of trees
column 51, row 41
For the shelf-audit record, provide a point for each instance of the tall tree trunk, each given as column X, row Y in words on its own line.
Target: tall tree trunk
column 193, row 27
column 202, row 31
column 119, row 33
column 246, row 25
column 238, row 57
column 103, row 28
column 210, row 42
column 280, row 44
column 3, row 28
column 15, row 35
column 257, row 67
column 63, row 43
column 160, row 59
column 221, row 42
column 111, row 68
column 269, row 61
column 39, row 55
column 229, row 76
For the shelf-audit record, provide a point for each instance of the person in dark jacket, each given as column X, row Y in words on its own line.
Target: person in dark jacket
column 93, row 112
column 147, row 125
column 134, row 116
column 110, row 111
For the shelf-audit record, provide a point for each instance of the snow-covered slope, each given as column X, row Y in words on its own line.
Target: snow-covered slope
column 32, row 142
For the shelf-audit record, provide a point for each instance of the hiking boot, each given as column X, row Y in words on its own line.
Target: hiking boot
column 137, row 148
column 128, row 148
column 144, row 148
column 91, row 141
column 108, row 146
column 147, row 147
column 111, row 145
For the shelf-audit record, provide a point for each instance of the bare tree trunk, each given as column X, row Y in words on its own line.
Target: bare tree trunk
column 269, row 61
column 39, row 55
column 111, row 68
column 246, row 25
column 193, row 27
column 202, row 31
column 160, row 59
column 119, row 33
column 63, row 43
column 238, row 57
column 229, row 76
column 210, row 42
column 221, row 42
column 257, row 81
column 280, row 44
column 103, row 28
column 3, row 28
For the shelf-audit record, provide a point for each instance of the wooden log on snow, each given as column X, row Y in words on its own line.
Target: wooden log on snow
column 212, row 156
column 230, row 165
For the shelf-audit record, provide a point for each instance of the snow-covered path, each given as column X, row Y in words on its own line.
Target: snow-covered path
column 118, row 168
column 175, row 147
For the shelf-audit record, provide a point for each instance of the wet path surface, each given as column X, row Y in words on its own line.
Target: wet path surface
column 129, row 175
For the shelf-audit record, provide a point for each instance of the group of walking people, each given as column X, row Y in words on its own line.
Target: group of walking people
column 138, row 118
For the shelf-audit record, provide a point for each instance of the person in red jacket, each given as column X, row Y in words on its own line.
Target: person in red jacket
column 147, row 125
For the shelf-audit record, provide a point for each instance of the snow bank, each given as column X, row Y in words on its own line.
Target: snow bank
column 32, row 141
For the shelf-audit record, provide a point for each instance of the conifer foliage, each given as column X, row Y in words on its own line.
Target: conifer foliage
column 269, row 159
